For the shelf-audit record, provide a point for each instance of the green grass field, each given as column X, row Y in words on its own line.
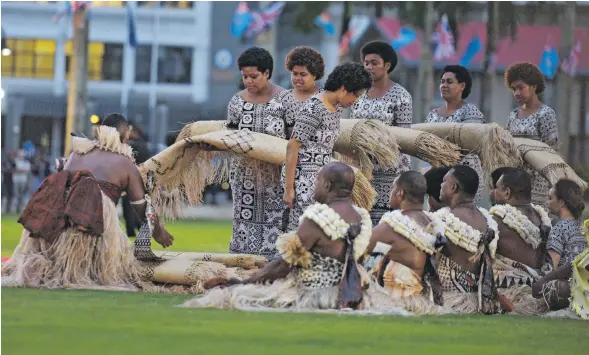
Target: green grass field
column 41, row 322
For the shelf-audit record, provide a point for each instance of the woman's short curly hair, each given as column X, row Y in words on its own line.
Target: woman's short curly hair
column 383, row 49
column 352, row 76
column 256, row 57
column 526, row 72
column 462, row 76
column 306, row 57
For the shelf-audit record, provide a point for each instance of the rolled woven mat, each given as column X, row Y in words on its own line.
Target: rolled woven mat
column 183, row 170
column 547, row 161
column 244, row 261
column 358, row 140
column 362, row 140
column 493, row 144
column 426, row 146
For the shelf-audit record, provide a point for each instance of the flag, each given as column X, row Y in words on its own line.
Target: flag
column 405, row 37
column 264, row 19
column 356, row 28
column 473, row 48
column 325, row 22
column 132, row 26
column 65, row 13
column 569, row 65
column 444, row 40
column 242, row 19
column 549, row 61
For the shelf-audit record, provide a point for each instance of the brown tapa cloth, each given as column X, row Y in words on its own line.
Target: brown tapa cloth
column 64, row 200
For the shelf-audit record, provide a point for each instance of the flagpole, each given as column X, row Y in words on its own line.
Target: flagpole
column 153, row 78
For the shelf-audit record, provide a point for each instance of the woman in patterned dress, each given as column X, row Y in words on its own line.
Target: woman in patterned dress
column 565, row 242
column 533, row 119
column 255, row 185
column 390, row 103
column 455, row 87
column 316, row 128
column 306, row 66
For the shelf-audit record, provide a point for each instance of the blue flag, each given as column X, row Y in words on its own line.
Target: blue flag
column 474, row 46
column 549, row 62
column 132, row 27
column 406, row 37
column 325, row 22
column 242, row 18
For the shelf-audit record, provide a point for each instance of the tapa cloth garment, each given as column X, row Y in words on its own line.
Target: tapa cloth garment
column 514, row 281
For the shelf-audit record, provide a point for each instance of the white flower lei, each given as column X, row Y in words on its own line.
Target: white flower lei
column 416, row 234
column 336, row 228
column 463, row 235
column 517, row 221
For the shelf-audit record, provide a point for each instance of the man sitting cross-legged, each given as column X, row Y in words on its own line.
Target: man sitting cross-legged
column 317, row 268
column 465, row 264
column 521, row 251
column 408, row 237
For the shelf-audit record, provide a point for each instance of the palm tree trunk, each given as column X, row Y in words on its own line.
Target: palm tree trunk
column 486, row 102
column 77, row 103
column 565, row 83
column 423, row 91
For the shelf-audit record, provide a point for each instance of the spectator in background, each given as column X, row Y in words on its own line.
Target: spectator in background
column 20, row 178
column 137, row 141
column 8, row 166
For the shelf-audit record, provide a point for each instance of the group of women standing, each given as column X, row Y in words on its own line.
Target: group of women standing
column 309, row 117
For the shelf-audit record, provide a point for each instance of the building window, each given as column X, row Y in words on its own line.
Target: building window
column 174, row 64
column 105, row 60
column 29, row 58
column 142, row 63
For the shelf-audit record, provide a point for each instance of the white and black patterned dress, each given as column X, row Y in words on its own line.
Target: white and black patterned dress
column 317, row 129
column 468, row 113
column 255, row 185
column 541, row 125
column 395, row 108
column 292, row 107
column 567, row 239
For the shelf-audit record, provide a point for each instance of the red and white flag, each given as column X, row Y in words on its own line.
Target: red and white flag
column 569, row 65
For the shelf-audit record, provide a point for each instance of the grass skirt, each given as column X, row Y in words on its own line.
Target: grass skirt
column 76, row 259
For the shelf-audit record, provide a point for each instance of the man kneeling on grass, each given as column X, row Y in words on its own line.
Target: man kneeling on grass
column 317, row 268
column 407, row 239
column 72, row 235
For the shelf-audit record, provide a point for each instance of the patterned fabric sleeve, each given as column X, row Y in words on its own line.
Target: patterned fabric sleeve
column 547, row 127
column 234, row 110
column 472, row 114
column 557, row 238
column 404, row 111
column 308, row 121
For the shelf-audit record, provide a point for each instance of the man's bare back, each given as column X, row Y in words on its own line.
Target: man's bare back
column 512, row 246
column 402, row 250
column 474, row 218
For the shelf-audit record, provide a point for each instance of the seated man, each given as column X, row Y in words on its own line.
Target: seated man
column 434, row 178
column 495, row 175
column 72, row 233
column 521, row 251
column 407, row 238
column 317, row 267
column 465, row 264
